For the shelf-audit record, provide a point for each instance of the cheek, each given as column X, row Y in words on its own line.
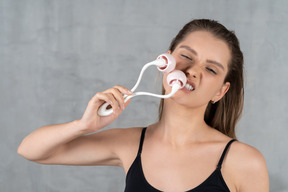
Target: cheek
column 214, row 86
column 165, row 84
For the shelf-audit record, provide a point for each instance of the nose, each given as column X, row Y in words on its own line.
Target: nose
column 191, row 71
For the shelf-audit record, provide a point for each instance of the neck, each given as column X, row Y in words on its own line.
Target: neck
column 180, row 124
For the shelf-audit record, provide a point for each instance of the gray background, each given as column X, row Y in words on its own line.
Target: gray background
column 56, row 54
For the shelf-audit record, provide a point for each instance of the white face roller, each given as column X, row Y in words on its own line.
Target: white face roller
column 176, row 76
column 165, row 63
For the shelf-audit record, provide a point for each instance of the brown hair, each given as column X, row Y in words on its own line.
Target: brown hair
column 224, row 114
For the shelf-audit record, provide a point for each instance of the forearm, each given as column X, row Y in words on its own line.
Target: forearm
column 46, row 140
column 61, row 143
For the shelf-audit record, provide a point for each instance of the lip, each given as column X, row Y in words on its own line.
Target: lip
column 186, row 90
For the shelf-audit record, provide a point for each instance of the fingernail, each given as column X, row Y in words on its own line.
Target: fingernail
column 123, row 106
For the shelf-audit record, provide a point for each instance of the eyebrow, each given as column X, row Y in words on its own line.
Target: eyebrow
column 208, row 61
column 216, row 63
column 189, row 49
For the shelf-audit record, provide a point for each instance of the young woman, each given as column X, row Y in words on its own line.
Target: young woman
column 191, row 147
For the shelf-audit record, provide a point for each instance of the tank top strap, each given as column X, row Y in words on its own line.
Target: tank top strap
column 224, row 153
column 141, row 140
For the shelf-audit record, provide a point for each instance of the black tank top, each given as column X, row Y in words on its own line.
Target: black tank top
column 136, row 181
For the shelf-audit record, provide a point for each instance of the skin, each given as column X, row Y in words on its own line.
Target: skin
column 180, row 151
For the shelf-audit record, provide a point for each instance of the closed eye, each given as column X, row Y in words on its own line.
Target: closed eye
column 211, row 70
column 186, row 57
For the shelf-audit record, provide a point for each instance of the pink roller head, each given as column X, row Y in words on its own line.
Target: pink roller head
column 170, row 63
column 176, row 76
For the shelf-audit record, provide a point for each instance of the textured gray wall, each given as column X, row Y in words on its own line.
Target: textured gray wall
column 56, row 54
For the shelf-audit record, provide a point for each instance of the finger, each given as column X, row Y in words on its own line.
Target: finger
column 118, row 96
column 114, row 97
column 108, row 98
column 100, row 98
column 127, row 102
column 118, row 92
column 113, row 102
column 123, row 90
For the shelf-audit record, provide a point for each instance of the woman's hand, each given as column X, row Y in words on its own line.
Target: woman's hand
column 91, row 121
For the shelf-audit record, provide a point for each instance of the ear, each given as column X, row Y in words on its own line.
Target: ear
column 223, row 90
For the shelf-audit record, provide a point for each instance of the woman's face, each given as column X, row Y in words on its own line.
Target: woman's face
column 204, row 59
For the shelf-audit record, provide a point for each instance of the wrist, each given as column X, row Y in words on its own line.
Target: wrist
column 77, row 124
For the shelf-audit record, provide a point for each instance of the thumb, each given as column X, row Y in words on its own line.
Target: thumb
column 126, row 103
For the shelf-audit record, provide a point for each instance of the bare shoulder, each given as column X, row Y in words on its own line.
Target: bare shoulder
column 249, row 156
column 248, row 167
